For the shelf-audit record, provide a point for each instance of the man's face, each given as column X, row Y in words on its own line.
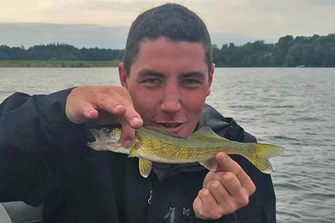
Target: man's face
column 169, row 83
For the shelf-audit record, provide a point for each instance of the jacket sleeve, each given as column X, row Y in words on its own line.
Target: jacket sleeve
column 30, row 128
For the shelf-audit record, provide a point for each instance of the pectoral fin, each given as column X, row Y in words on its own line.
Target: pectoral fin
column 209, row 164
column 144, row 167
column 132, row 151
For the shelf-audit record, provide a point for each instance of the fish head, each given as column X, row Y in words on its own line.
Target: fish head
column 105, row 138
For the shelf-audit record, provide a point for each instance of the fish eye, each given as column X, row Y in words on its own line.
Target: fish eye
column 105, row 130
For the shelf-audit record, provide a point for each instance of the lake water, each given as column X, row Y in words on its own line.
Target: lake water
column 291, row 107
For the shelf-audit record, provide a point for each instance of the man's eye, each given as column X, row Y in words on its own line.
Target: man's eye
column 151, row 81
column 191, row 81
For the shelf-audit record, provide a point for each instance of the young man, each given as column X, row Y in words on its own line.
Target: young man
column 166, row 77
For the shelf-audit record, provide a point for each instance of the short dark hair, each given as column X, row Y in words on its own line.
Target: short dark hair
column 172, row 21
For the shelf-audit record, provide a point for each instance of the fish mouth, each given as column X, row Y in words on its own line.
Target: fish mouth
column 95, row 133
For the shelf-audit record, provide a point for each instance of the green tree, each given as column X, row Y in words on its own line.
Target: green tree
column 290, row 61
column 281, row 50
column 3, row 56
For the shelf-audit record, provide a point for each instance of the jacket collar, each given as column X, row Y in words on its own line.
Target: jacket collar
column 225, row 127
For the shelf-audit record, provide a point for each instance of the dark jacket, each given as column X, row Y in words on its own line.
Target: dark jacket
column 44, row 159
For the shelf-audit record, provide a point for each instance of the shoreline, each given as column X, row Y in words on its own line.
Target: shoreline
column 92, row 64
column 60, row 64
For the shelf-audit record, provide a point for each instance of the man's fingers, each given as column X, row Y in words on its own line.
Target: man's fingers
column 133, row 119
column 88, row 111
column 127, row 134
column 225, row 186
column 121, row 106
column 220, row 194
column 205, row 205
column 110, row 104
column 226, row 164
column 82, row 112
column 131, row 116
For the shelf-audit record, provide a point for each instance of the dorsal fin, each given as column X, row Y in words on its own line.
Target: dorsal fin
column 162, row 131
column 205, row 132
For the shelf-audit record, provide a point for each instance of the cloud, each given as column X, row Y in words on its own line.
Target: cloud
column 322, row 2
column 264, row 18
column 90, row 36
column 258, row 18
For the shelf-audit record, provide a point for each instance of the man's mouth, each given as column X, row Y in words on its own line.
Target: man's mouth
column 174, row 127
column 170, row 125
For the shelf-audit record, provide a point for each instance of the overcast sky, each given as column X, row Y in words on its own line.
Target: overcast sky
column 258, row 18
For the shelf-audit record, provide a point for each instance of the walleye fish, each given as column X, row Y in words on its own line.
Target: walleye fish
column 157, row 145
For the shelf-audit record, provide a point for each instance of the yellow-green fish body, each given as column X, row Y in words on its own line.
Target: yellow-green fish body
column 157, row 145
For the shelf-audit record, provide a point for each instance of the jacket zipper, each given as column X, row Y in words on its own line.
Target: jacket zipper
column 170, row 216
column 149, row 200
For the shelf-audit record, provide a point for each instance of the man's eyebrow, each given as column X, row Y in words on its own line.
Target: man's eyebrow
column 193, row 74
column 148, row 72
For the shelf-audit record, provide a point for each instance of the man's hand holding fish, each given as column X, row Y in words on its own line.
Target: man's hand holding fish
column 106, row 104
column 224, row 191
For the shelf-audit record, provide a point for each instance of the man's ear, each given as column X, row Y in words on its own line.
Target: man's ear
column 210, row 79
column 123, row 75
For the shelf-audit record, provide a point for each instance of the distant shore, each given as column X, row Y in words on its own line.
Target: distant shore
column 40, row 63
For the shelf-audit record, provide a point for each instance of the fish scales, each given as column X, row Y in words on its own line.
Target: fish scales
column 179, row 150
column 185, row 150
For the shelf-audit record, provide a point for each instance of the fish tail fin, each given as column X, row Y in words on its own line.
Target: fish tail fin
column 260, row 155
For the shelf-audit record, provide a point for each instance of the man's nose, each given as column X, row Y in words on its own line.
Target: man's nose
column 171, row 99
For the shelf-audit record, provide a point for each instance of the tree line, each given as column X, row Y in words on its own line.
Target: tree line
column 59, row 52
column 315, row 51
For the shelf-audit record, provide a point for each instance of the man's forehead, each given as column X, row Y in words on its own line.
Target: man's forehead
column 147, row 40
column 164, row 46
column 157, row 57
